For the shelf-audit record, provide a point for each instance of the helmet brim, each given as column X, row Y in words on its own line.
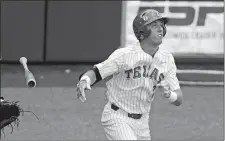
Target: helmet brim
column 164, row 19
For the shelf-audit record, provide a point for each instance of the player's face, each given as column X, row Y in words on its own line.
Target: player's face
column 156, row 32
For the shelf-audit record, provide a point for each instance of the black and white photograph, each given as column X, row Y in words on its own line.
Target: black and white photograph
column 112, row 70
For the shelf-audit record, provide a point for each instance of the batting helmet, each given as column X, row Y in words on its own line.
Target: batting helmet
column 144, row 18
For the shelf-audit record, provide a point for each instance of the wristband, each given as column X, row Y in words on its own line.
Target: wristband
column 86, row 78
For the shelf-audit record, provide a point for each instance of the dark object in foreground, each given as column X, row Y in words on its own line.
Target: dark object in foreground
column 9, row 113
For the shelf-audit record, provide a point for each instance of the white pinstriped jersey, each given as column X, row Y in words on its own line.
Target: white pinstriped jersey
column 135, row 74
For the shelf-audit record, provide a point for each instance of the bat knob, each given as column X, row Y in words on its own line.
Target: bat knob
column 23, row 60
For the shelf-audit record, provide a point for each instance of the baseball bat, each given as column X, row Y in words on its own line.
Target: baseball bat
column 30, row 80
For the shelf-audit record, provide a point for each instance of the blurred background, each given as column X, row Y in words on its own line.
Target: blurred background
column 62, row 39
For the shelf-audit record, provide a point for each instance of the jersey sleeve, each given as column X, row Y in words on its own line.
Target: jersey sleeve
column 171, row 75
column 112, row 64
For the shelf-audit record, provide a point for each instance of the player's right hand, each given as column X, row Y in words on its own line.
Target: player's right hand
column 81, row 86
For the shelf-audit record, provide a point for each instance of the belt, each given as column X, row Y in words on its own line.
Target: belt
column 134, row 116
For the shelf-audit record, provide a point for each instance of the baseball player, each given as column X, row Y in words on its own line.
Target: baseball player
column 136, row 71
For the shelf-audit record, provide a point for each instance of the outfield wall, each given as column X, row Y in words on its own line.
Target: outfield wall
column 82, row 31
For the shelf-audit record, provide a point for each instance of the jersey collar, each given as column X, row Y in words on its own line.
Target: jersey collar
column 139, row 47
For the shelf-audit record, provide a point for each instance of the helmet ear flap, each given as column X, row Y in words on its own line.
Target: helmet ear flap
column 142, row 33
column 138, row 34
column 145, row 32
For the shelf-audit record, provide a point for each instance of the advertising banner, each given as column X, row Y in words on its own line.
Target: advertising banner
column 195, row 27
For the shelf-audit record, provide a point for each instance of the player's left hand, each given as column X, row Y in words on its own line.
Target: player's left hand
column 81, row 86
column 164, row 88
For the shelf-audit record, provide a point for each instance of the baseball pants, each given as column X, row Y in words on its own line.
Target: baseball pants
column 118, row 126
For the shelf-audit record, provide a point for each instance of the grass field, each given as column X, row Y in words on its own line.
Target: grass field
column 64, row 117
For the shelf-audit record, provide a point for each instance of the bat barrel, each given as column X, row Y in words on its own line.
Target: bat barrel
column 30, row 80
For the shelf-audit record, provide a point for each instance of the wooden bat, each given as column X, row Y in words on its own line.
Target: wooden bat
column 30, row 80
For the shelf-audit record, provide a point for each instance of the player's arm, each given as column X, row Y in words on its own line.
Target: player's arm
column 104, row 69
column 92, row 76
column 173, row 93
column 99, row 72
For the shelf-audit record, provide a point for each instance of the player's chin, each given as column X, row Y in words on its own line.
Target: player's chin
column 158, row 42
